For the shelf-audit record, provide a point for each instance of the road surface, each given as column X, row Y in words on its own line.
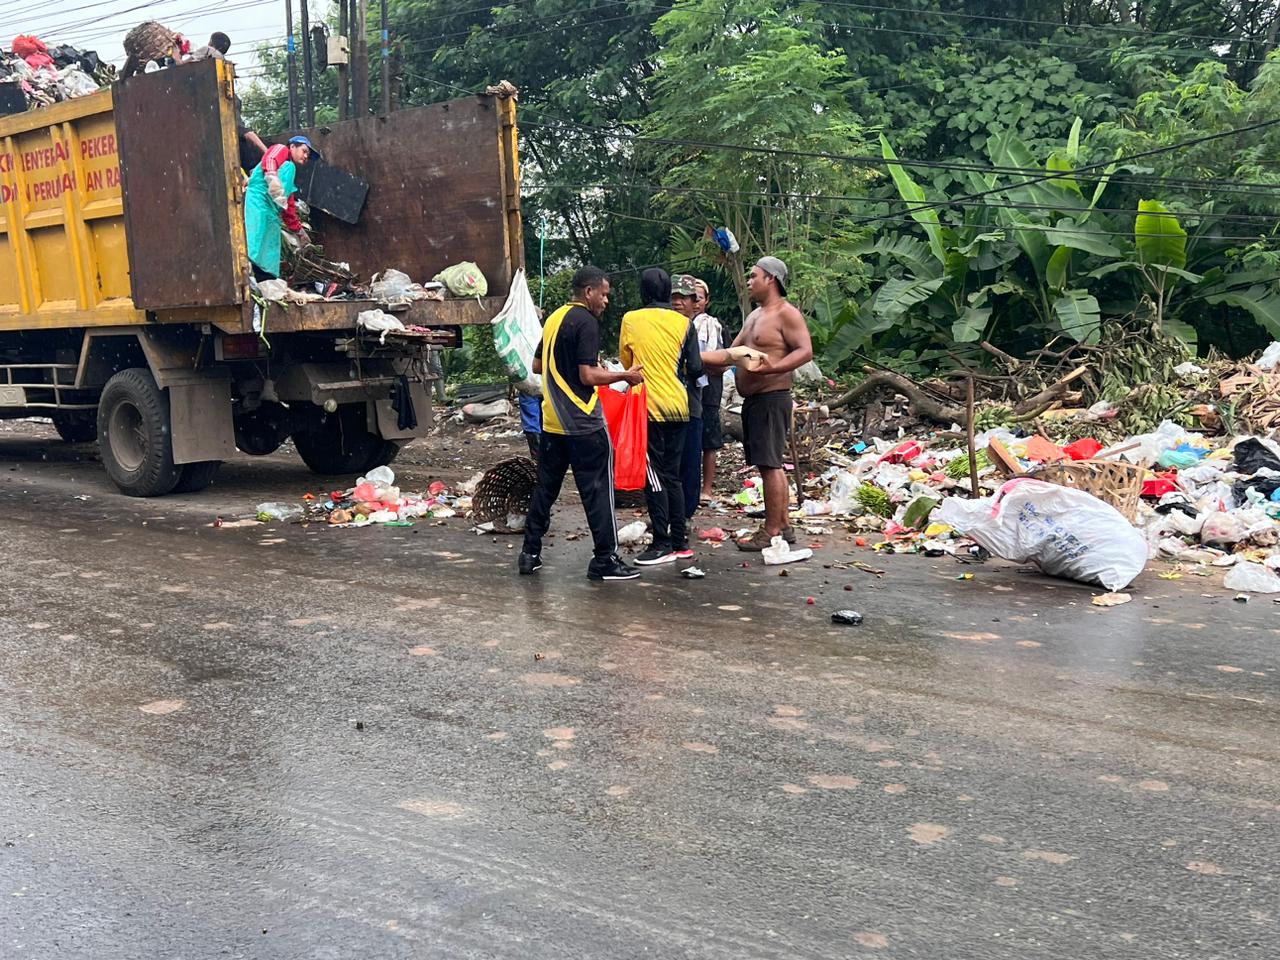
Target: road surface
column 288, row 742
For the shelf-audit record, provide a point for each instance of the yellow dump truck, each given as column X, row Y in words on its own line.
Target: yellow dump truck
column 126, row 308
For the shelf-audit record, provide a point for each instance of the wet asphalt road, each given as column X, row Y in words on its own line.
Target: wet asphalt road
column 547, row 768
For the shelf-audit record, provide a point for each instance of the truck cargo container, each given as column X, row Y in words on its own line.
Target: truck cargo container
column 126, row 310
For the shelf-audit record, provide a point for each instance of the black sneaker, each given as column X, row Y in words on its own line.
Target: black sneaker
column 611, row 568
column 656, row 555
column 529, row 563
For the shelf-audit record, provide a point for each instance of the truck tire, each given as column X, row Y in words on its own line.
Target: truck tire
column 341, row 444
column 135, row 435
column 196, row 476
column 261, row 432
column 76, row 426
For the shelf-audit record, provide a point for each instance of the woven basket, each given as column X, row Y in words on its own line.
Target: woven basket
column 1111, row 481
column 150, row 41
column 505, row 490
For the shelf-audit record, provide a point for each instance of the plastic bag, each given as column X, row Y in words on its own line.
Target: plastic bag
column 633, row 534
column 376, row 321
column 779, row 551
column 627, row 417
column 1268, row 361
column 1222, row 530
column 1251, row 578
column 516, row 335
column 278, row 511
column 394, row 287
column 1066, row 532
column 464, row 280
column 74, row 82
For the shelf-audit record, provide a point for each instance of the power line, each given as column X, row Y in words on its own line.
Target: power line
column 871, row 160
column 844, row 198
column 908, row 219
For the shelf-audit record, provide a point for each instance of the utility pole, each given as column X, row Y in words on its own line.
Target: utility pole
column 292, row 65
column 361, row 52
column 386, row 63
column 308, row 78
column 342, row 67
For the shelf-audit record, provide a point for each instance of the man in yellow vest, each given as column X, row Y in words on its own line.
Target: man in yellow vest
column 665, row 343
column 573, row 428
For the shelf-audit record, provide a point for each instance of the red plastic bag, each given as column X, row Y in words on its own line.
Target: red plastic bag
column 627, row 417
column 1085, row 448
column 25, row 45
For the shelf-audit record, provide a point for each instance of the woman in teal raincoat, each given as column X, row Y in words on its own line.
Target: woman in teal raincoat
column 270, row 200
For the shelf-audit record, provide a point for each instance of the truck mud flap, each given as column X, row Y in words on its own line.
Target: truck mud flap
column 200, row 413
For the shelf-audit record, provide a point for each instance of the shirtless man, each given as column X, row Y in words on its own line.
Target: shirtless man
column 776, row 329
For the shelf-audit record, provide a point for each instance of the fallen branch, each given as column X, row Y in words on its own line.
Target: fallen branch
column 923, row 404
column 1050, row 394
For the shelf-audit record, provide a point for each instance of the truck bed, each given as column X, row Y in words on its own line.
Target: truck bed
column 127, row 207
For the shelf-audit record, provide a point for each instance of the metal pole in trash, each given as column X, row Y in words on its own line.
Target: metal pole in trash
column 308, row 84
column 342, row 67
column 386, row 63
column 291, row 64
column 968, row 429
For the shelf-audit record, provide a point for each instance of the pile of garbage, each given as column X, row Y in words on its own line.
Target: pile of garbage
column 373, row 499
column 310, row 277
column 1172, row 494
column 34, row 75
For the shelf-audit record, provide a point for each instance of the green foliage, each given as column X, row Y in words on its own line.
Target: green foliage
column 736, row 71
column 1032, row 92
column 622, row 104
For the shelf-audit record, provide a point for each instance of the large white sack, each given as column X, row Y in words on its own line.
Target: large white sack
column 1065, row 531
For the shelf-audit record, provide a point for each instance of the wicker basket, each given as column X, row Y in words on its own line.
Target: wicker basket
column 1111, row 481
column 150, row 41
column 505, row 490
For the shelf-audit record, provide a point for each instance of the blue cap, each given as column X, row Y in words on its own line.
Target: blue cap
column 306, row 143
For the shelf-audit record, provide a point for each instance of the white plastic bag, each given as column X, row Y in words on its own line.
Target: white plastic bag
column 779, row 551
column 516, row 335
column 375, row 321
column 1251, row 578
column 1270, row 357
column 395, row 288
column 633, row 534
column 1066, row 532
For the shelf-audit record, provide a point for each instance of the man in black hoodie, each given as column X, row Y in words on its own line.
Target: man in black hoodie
column 664, row 343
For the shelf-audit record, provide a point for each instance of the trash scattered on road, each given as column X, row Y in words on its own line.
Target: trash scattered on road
column 848, row 617
column 779, row 551
column 1251, row 578
column 373, row 499
column 693, row 573
column 1111, row 599
column 633, row 534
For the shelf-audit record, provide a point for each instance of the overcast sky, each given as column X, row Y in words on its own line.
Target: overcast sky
column 101, row 24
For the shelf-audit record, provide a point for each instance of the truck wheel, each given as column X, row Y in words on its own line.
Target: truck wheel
column 341, row 445
column 383, row 455
column 261, row 432
column 135, row 436
column 76, row 426
column 196, row 476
